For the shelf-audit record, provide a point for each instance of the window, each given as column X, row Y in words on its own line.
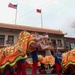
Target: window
column 10, row 39
column 72, row 45
column 53, row 42
column 67, row 45
column 59, row 43
column 2, row 38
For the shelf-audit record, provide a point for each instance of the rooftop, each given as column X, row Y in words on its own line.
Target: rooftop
column 21, row 27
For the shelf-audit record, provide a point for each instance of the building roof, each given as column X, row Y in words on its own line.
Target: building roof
column 70, row 39
column 28, row 28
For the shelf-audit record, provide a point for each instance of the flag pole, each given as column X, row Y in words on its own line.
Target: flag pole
column 41, row 20
column 16, row 16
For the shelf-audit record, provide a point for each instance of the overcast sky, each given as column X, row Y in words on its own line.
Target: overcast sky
column 56, row 14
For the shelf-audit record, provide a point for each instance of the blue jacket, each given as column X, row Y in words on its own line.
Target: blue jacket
column 58, row 58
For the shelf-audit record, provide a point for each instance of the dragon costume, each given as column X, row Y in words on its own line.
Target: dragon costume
column 14, row 53
column 68, row 60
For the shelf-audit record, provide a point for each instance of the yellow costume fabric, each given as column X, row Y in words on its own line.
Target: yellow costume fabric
column 10, row 55
column 68, row 58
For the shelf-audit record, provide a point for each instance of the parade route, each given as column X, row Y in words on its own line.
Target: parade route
column 44, row 74
column 48, row 73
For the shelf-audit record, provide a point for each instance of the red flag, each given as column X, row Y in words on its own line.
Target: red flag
column 12, row 6
column 38, row 10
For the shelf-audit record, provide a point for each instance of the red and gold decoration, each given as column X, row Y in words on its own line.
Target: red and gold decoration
column 11, row 54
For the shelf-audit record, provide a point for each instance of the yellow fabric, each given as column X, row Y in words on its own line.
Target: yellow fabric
column 30, row 49
column 47, row 59
column 10, row 55
column 68, row 58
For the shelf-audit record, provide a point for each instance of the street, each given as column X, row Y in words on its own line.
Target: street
column 48, row 73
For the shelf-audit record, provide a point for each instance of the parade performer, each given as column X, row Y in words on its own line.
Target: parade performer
column 41, row 66
column 44, row 44
column 21, row 68
column 12, row 54
column 35, row 62
column 38, row 38
column 47, row 60
column 32, row 47
column 68, row 60
column 58, row 62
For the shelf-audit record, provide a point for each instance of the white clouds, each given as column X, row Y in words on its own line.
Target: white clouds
column 6, row 14
column 56, row 14
column 25, row 2
column 42, row 3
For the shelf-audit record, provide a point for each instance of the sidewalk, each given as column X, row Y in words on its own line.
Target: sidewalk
column 48, row 73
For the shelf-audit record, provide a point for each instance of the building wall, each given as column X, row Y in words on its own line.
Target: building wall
column 15, row 33
column 7, row 33
column 57, row 37
column 70, row 43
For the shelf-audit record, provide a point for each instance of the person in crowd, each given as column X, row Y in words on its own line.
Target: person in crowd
column 35, row 61
column 21, row 69
column 42, row 68
column 21, row 63
column 58, row 61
